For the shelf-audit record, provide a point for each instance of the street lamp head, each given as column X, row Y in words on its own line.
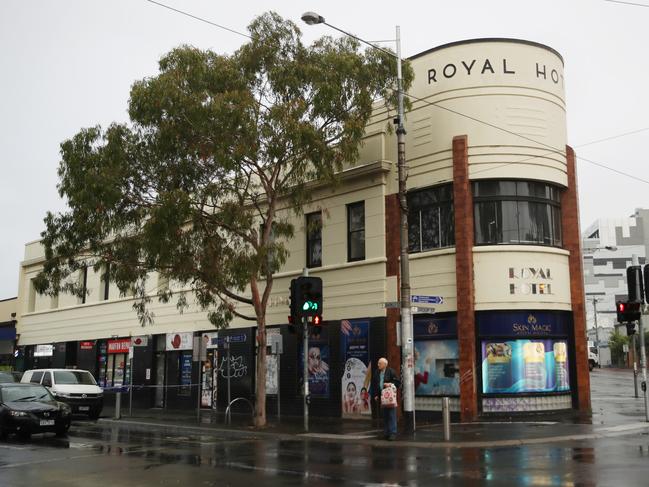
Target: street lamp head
column 312, row 18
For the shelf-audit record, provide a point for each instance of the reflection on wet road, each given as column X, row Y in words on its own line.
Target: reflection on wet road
column 119, row 455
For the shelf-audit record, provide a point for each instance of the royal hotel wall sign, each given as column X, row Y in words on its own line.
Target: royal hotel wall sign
column 527, row 281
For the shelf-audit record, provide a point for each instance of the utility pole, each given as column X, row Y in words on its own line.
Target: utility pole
column 407, row 358
column 407, row 346
column 599, row 359
column 305, row 364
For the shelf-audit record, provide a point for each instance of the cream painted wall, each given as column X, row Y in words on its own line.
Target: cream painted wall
column 492, row 277
column 433, row 274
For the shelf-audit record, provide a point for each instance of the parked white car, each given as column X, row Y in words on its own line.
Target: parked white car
column 75, row 387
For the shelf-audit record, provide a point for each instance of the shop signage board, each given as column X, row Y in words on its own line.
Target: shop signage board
column 210, row 338
column 417, row 298
column 180, row 341
column 121, row 345
column 140, row 341
column 44, row 351
column 86, row 345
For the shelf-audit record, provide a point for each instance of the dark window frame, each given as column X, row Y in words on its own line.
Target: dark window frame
column 552, row 203
column 352, row 207
column 84, row 284
column 106, row 282
column 433, row 198
column 313, row 236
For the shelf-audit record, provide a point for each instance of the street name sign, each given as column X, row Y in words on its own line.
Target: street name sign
column 422, row 309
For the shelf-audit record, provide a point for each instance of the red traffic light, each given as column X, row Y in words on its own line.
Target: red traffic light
column 317, row 320
column 621, row 307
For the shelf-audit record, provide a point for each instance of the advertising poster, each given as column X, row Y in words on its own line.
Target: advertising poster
column 317, row 363
column 271, row 367
column 436, row 368
column 518, row 366
column 185, row 374
column 357, row 373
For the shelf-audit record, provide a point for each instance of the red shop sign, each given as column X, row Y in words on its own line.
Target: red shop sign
column 120, row 345
column 86, row 345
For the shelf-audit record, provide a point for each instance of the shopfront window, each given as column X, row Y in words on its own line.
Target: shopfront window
column 437, row 359
column 524, row 365
column 517, row 212
column 430, row 219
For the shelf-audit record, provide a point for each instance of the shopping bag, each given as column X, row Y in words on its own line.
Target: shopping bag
column 389, row 397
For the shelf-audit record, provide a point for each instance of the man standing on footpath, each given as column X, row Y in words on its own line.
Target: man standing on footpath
column 384, row 377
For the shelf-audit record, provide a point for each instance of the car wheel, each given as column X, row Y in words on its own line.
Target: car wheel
column 590, row 366
column 4, row 434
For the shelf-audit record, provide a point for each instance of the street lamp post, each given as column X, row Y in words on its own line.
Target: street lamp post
column 407, row 357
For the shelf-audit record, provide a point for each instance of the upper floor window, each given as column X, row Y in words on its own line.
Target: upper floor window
column 431, row 222
column 517, row 212
column 105, row 282
column 356, row 231
column 314, row 239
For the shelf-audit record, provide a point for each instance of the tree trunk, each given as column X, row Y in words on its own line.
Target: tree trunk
column 260, row 380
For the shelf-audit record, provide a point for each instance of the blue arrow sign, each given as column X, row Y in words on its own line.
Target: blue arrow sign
column 427, row 299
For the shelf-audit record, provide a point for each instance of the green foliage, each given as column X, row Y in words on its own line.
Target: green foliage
column 616, row 344
column 215, row 143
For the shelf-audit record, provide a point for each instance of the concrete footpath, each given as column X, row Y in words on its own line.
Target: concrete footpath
column 616, row 412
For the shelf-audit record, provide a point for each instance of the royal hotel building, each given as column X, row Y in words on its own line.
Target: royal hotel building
column 493, row 230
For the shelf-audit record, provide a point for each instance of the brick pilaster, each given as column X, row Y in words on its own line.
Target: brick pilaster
column 463, row 207
column 393, row 252
column 572, row 243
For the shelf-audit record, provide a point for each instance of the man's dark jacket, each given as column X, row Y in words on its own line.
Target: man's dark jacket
column 390, row 376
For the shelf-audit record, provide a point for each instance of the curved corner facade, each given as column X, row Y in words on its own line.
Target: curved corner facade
column 493, row 231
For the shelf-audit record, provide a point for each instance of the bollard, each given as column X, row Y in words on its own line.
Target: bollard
column 446, row 418
column 118, row 405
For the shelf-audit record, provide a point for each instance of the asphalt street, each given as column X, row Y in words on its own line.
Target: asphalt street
column 111, row 453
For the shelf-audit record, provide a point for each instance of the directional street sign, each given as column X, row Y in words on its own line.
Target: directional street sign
column 427, row 299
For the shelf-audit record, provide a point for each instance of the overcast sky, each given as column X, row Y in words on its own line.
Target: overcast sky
column 68, row 64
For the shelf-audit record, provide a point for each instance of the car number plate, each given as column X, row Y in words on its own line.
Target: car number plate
column 84, row 408
column 47, row 422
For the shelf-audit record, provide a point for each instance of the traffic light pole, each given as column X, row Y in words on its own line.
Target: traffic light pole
column 305, row 363
column 643, row 366
column 643, row 353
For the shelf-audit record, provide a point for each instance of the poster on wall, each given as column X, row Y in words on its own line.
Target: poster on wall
column 518, row 366
column 317, row 363
column 357, row 373
column 271, row 367
column 185, row 375
column 436, row 368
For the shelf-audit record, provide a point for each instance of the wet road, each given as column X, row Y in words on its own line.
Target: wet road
column 97, row 454
column 118, row 453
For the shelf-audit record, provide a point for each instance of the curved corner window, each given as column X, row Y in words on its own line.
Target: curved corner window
column 517, row 212
column 431, row 224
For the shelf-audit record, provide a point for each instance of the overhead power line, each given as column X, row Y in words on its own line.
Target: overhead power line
column 437, row 105
column 200, row 19
column 628, row 3
column 553, row 149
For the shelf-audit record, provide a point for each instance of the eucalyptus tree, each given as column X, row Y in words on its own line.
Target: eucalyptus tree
column 190, row 188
